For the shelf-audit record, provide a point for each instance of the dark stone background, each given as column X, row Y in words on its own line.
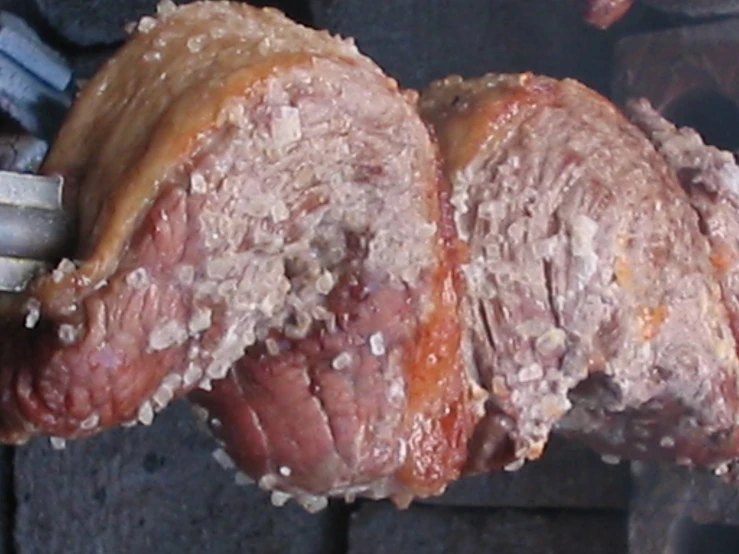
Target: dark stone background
column 158, row 489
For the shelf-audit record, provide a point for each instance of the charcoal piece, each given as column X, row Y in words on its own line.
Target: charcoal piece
column 90, row 22
column 23, row 8
column 681, row 510
column 21, row 152
column 712, row 538
column 378, row 528
column 152, row 490
column 660, row 501
column 674, row 505
column 417, row 41
column 567, row 476
column 20, row 42
column 95, row 22
column 89, row 61
column 36, row 106
column 713, row 500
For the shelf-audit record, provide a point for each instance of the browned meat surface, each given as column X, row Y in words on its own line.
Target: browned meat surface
column 247, row 183
column 591, row 290
column 604, row 13
column 362, row 390
column 266, row 225
column 231, row 169
column 711, row 179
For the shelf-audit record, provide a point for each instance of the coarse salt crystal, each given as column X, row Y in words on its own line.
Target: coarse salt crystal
column 173, row 381
column 312, row 504
column 285, row 126
column 330, row 322
column 33, row 312
column 166, row 7
column 185, row 274
column 218, row 370
column 377, row 344
column 342, row 361
column 198, row 184
column 242, row 479
column 267, row 481
column 170, row 334
column 610, row 460
column 272, row 347
column 235, row 114
column 532, row 372
column 68, row 333
column 195, row 44
column 200, row 320
column 325, row 282
column 722, row 469
column 162, row 396
column 550, row 341
column 279, row 211
column 90, row 422
column 264, row 46
column 138, row 278
column 223, row 459
column 280, row 498
column 65, row 267
column 152, row 56
column 515, row 466
column 146, row 413
column 146, row 24
column 192, row 374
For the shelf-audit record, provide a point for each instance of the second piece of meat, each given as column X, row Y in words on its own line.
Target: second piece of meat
column 591, row 289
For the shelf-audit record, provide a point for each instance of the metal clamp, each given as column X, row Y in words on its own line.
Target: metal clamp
column 36, row 90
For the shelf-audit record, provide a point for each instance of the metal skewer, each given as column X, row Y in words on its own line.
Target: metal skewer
column 36, row 90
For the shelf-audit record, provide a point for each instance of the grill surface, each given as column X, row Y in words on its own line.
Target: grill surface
column 159, row 489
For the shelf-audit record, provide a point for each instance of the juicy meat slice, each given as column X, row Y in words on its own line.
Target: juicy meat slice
column 371, row 404
column 227, row 164
column 604, row 13
column 361, row 390
column 710, row 177
column 591, row 290
column 309, row 226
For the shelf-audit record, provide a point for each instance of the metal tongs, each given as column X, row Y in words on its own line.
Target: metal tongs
column 36, row 90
